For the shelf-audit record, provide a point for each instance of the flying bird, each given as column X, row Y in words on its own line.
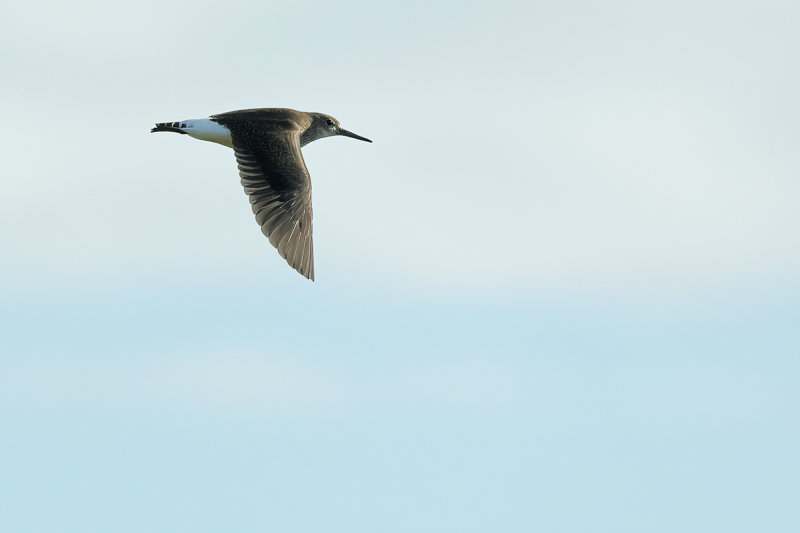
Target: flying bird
column 266, row 143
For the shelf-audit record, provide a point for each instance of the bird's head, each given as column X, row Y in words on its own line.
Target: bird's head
column 323, row 125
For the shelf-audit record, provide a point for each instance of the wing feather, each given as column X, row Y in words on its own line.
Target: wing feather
column 276, row 180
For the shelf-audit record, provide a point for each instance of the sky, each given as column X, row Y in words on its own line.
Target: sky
column 559, row 293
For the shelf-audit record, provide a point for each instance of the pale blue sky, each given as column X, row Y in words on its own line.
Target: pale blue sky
column 559, row 293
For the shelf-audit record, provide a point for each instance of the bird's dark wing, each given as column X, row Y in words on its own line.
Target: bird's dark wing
column 275, row 178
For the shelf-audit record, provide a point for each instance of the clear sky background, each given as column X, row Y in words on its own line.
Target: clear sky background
column 560, row 293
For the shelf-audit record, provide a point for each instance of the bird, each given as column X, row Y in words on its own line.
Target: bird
column 267, row 145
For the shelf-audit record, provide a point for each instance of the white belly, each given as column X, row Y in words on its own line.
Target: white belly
column 206, row 129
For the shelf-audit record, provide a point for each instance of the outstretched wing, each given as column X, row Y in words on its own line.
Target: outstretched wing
column 276, row 180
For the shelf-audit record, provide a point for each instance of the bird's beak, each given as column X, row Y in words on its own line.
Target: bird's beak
column 342, row 131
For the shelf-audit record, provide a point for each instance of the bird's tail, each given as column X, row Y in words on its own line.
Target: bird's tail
column 176, row 127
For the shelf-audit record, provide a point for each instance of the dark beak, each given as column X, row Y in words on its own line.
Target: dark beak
column 346, row 133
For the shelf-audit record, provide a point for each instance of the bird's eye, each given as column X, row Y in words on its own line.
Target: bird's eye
column 330, row 122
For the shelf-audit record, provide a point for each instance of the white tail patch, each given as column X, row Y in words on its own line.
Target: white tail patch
column 206, row 129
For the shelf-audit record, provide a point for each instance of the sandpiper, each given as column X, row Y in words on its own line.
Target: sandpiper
column 267, row 145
